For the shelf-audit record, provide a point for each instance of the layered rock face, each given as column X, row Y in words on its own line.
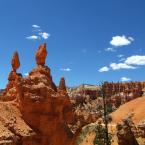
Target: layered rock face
column 131, row 89
column 120, row 93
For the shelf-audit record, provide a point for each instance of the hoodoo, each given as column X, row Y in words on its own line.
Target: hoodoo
column 62, row 85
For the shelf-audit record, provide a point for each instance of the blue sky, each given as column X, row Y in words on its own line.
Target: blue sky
column 88, row 41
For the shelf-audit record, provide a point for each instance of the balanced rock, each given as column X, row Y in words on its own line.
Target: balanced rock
column 15, row 61
column 10, row 92
column 41, row 55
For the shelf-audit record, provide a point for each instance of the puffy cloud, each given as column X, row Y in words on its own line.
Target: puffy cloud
column 121, row 41
column 104, row 69
column 38, row 33
column 135, row 60
column 125, row 79
column 65, row 69
column 117, row 66
column 127, row 63
column 33, row 37
column 44, row 35
column 35, row 26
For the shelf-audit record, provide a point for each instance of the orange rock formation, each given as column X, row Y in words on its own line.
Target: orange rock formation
column 44, row 111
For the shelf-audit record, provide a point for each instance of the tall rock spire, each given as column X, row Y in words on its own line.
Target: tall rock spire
column 62, row 85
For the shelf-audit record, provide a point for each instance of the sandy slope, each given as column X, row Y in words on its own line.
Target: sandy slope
column 137, row 107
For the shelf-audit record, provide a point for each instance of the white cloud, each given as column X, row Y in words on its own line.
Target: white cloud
column 117, row 66
column 104, row 69
column 26, row 74
column 121, row 40
column 110, row 49
column 38, row 34
column 44, row 35
column 35, row 26
column 136, row 60
column 65, row 69
column 33, row 37
column 131, row 62
column 125, row 79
